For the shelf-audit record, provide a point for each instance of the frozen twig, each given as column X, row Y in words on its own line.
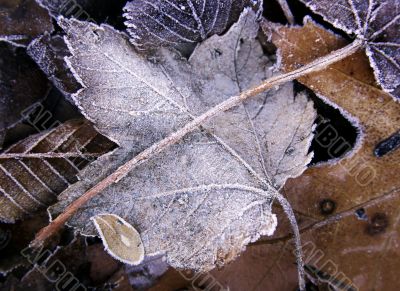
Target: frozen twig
column 286, row 10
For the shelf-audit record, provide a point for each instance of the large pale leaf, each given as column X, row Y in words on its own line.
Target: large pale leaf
column 202, row 200
column 377, row 22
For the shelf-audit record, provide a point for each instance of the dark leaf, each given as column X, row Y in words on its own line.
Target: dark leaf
column 377, row 22
column 15, row 237
column 22, row 84
column 23, row 20
column 76, row 266
column 48, row 52
column 34, row 171
column 155, row 23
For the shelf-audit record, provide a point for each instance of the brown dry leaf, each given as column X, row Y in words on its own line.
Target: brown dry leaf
column 34, row 171
column 362, row 252
column 23, row 20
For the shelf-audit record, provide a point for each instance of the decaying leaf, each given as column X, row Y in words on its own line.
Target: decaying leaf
column 21, row 85
column 23, row 20
column 34, row 171
column 377, row 22
column 202, row 200
column 121, row 240
column 357, row 241
column 155, row 23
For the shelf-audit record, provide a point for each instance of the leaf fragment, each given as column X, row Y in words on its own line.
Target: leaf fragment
column 48, row 51
column 121, row 240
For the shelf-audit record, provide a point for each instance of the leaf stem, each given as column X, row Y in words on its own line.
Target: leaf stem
column 296, row 234
column 121, row 172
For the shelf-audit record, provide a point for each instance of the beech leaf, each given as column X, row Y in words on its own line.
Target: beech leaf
column 201, row 200
column 154, row 23
column 378, row 23
column 34, row 171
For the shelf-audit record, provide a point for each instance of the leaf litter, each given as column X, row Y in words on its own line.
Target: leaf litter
column 261, row 167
